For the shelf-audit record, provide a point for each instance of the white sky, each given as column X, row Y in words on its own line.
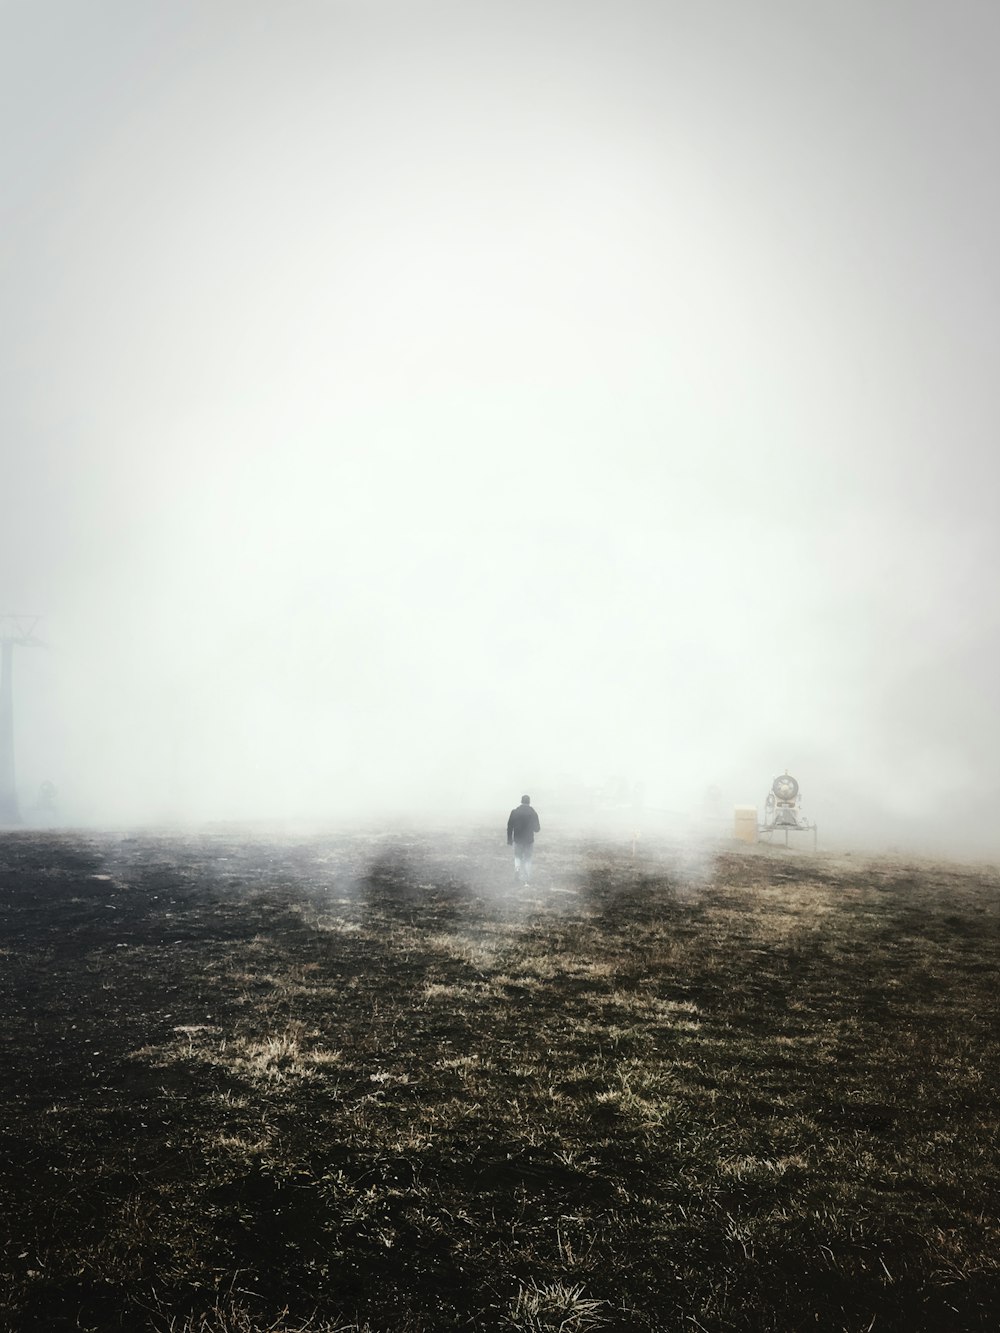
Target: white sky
column 419, row 403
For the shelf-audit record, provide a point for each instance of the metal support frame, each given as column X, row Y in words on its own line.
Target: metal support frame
column 770, row 829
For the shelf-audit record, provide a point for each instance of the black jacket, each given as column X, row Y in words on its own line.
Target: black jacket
column 522, row 825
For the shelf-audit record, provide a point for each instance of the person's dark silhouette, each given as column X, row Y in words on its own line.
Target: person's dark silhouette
column 521, row 829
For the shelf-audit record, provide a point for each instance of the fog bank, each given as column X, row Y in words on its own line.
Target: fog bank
column 411, row 406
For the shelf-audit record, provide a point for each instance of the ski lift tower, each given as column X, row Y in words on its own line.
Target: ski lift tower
column 15, row 632
column 782, row 810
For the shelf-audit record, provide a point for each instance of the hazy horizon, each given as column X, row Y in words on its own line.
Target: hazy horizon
column 410, row 406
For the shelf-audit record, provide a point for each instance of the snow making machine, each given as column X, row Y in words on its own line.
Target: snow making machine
column 782, row 811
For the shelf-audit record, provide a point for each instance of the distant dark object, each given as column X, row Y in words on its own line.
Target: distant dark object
column 620, row 793
column 521, row 829
column 14, row 631
column 44, row 813
column 712, row 803
column 46, row 802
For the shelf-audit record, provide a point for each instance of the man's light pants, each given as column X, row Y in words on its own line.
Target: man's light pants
column 522, row 859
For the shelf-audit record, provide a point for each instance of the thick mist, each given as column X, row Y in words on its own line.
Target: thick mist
column 407, row 406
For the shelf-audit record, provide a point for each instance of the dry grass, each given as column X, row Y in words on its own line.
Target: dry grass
column 762, row 1096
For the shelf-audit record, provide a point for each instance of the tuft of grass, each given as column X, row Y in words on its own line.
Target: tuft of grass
column 553, row 1307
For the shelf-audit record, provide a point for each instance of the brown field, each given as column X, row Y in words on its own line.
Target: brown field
column 367, row 1083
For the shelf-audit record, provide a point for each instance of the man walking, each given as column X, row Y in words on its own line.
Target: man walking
column 521, row 829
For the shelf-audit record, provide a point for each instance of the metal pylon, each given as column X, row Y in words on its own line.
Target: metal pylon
column 15, row 632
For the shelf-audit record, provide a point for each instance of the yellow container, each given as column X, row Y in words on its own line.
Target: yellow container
column 745, row 823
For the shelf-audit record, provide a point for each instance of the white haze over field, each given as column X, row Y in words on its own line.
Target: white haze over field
column 409, row 405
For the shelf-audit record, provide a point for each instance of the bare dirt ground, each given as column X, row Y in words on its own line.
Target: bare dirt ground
column 333, row 1082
